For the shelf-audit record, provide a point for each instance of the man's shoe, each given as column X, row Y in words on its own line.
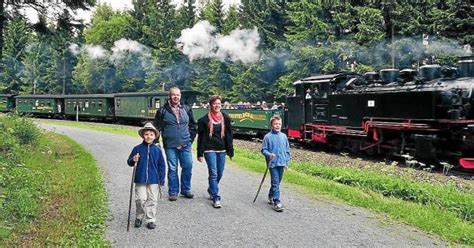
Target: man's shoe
column 188, row 195
column 173, row 198
column 270, row 200
column 138, row 223
column 217, row 204
column 278, row 207
column 151, row 225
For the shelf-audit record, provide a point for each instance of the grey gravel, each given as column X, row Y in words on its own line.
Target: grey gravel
column 194, row 222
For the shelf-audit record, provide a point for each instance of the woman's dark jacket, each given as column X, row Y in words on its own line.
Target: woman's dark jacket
column 215, row 142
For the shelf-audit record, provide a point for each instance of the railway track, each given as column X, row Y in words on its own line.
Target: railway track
column 396, row 166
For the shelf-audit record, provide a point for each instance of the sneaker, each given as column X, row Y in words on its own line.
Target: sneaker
column 217, row 204
column 278, row 207
column 270, row 200
column 151, row 225
column 173, row 198
column 138, row 223
column 188, row 195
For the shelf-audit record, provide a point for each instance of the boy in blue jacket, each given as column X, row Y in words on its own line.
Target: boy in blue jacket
column 150, row 173
column 276, row 149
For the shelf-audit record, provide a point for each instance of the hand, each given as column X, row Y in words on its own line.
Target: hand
column 272, row 156
column 286, row 167
column 136, row 157
column 200, row 159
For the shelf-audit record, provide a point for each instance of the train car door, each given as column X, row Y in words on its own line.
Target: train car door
column 295, row 115
column 320, row 102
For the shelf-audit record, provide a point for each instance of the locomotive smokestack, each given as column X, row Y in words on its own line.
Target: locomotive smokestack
column 390, row 75
column 466, row 68
column 430, row 72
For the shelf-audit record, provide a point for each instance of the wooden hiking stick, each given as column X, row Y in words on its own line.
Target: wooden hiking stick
column 261, row 183
column 131, row 191
column 159, row 190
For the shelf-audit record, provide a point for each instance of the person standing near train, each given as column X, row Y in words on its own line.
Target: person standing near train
column 215, row 140
column 176, row 122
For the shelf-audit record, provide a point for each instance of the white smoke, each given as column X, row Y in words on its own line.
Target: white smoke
column 122, row 46
column 201, row 41
column 198, row 41
column 118, row 52
column 240, row 44
column 95, row 52
column 74, row 48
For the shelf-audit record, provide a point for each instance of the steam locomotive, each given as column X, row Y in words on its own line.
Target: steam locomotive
column 426, row 117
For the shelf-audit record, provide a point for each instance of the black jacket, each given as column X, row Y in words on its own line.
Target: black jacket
column 215, row 142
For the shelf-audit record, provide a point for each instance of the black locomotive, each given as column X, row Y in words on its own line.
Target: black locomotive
column 427, row 116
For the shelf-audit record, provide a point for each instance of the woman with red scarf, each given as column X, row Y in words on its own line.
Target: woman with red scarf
column 214, row 142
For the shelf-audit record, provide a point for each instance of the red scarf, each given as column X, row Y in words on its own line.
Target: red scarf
column 215, row 118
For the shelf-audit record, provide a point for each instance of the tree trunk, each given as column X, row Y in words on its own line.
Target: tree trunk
column 2, row 23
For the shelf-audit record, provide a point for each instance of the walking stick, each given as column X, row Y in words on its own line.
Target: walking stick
column 131, row 191
column 261, row 183
column 159, row 190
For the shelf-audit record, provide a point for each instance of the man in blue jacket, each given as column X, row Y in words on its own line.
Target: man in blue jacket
column 178, row 128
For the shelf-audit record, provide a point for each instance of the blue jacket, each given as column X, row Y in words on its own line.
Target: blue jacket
column 151, row 166
column 276, row 143
column 174, row 133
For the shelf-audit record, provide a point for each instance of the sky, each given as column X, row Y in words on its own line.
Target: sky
column 116, row 5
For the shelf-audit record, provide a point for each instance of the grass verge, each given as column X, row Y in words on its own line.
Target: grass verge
column 436, row 209
column 427, row 216
column 52, row 192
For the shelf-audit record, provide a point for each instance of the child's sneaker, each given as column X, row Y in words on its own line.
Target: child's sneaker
column 217, row 204
column 278, row 207
column 270, row 200
column 138, row 223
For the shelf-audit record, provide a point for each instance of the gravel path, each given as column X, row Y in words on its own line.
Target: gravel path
column 194, row 222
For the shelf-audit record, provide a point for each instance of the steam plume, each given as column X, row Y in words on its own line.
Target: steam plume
column 201, row 41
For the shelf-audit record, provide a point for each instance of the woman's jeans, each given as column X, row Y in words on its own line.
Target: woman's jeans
column 277, row 174
column 215, row 165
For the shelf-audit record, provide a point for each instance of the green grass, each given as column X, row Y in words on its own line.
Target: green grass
column 436, row 209
column 117, row 129
column 52, row 192
column 429, row 217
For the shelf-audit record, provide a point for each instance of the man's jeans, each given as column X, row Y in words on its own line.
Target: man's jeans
column 183, row 155
column 276, row 174
column 215, row 165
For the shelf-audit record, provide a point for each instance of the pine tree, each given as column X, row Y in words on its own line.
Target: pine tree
column 17, row 36
column 307, row 24
column 213, row 11
column 231, row 20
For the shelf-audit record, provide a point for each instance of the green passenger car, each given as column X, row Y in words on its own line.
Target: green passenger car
column 93, row 106
column 41, row 105
column 7, row 102
column 246, row 121
column 143, row 105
